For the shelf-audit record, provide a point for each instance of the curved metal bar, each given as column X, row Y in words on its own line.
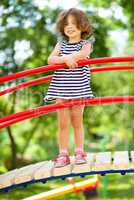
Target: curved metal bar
column 59, row 66
column 47, row 78
column 26, row 84
column 35, row 112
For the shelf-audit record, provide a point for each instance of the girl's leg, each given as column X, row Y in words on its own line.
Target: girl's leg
column 63, row 125
column 77, row 123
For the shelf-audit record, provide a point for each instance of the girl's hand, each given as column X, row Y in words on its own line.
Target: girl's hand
column 70, row 61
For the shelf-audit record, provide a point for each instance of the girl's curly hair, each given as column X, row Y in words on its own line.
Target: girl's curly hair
column 82, row 22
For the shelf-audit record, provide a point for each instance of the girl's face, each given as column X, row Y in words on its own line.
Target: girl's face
column 70, row 28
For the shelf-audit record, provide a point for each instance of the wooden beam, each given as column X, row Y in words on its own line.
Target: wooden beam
column 121, row 160
column 7, row 179
column 103, row 161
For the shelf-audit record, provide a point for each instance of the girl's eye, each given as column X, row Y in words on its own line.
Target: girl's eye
column 74, row 22
column 65, row 24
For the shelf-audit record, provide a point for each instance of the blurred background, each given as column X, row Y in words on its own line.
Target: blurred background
column 27, row 37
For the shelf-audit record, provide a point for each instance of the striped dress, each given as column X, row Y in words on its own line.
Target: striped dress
column 70, row 83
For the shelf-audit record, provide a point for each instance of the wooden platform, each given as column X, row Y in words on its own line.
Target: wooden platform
column 97, row 163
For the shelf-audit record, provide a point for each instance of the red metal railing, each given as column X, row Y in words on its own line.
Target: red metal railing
column 17, row 117
column 59, row 66
column 48, row 78
column 36, row 112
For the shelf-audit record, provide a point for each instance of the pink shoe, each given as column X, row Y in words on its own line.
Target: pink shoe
column 62, row 160
column 80, row 157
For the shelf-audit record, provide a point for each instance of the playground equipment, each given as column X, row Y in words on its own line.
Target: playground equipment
column 80, row 186
column 97, row 163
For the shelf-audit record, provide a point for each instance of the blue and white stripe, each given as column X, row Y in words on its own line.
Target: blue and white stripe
column 70, row 83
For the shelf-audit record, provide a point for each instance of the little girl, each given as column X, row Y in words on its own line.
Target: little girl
column 72, row 82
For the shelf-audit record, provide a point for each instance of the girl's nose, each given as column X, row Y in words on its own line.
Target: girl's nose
column 70, row 25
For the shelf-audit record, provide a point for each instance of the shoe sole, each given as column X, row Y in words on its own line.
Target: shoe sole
column 61, row 165
column 81, row 162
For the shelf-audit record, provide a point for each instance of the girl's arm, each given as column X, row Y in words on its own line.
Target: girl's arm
column 71, row 59
column 54, row 57
column 83, row 53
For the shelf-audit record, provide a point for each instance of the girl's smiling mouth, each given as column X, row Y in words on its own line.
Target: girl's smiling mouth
column 70, row 31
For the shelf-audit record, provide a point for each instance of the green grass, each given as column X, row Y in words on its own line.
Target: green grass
column 112, row 187
column 118, row 187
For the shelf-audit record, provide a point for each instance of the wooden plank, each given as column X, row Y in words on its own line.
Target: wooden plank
column 44, row 171
column 132, row 159
column 132, row 156
column 7, row 179
column 103, row 161
column 99, row 161
column 121, row 160
column 26, row 173
column 87, row 167
column 59, row 171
